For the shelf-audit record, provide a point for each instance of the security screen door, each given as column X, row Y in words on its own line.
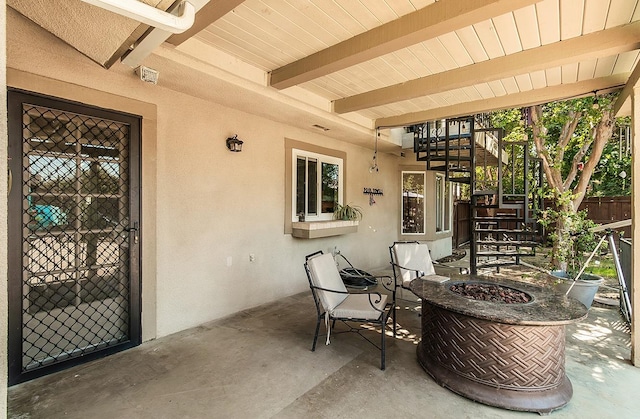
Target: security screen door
column 74, row 276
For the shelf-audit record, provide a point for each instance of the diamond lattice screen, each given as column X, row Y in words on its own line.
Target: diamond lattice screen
column 75, row 235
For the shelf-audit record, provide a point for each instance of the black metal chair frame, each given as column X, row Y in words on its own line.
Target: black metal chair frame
column 396, row 267
column 374, row 297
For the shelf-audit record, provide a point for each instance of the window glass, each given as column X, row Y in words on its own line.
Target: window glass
column 301, row 184
column 443, row 203
column 447, row 206
column 317, row 185
column 413, row 203
column 312, row 190
column 330, row 187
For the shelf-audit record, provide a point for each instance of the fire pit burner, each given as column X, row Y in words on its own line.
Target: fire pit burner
column 505, row 355
column 491, row 292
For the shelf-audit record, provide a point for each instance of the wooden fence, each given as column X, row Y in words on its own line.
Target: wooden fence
column 461, row 223
column 609, row 209
column 602, row 210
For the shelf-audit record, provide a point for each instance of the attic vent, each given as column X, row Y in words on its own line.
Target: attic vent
column 147, row 74
column 320, row 127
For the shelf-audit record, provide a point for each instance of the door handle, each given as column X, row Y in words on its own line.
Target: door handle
column 134, row 230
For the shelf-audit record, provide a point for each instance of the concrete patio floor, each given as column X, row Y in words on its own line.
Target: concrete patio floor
column 258, row 364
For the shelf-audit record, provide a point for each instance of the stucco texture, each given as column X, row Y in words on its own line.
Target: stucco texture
column 202, row 205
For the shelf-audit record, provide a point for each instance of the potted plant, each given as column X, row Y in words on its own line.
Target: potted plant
column 576, row 245
column 583, row 289
column 347, row 212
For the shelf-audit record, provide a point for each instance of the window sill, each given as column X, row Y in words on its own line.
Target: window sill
column 316, row 229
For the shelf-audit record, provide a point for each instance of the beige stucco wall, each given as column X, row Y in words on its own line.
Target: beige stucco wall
column 215, row 206
column 202, row 205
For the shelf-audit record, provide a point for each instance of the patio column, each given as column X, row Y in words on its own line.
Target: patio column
column 635, row 226
column 3, row 210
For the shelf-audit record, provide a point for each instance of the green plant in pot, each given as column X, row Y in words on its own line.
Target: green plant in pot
column 347, row 212
column 576, row 245
column 573, row 243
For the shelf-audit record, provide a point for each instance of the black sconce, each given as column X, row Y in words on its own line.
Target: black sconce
column 233, row 144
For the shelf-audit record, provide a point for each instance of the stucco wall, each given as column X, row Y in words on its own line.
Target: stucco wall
column 215, row 206
column 202, row 204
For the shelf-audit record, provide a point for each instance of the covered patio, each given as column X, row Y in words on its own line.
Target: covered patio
column 207, row 244
column 257, row 364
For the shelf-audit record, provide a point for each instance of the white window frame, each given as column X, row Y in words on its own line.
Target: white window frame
column 443, row 204
column 320, row 158
column 424, row 202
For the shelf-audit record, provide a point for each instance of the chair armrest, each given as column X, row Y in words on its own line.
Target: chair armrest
column 388, row 282
column 329, row 290
column 418, row 272
column 373, row 302
column 374, row 297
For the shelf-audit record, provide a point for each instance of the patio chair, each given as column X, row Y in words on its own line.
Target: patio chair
column 333, row 301
column 411, row 260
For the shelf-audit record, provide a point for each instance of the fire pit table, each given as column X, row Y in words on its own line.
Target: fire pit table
column 509, row 355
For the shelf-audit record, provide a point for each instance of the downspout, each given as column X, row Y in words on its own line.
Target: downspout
column 164, row 24
column 149, row 15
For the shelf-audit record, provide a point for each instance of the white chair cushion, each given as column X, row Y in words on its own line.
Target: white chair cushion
column 324, row 273
column 414, row 257
column 359, row 306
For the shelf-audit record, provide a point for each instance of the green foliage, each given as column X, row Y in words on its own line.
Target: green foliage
column 347, row 212
column 555, row 115
column 570, row 232
column 606, row 179
column 413, row 182
column 605, row 269
column 567, row 132
column 511, row 120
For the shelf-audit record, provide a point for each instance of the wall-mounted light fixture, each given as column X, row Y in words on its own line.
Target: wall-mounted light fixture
column 147, row 75
column 233, row 144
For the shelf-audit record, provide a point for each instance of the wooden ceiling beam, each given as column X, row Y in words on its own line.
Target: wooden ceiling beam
column 209, row 13
column 625, row 94
column 441, row 17
column 516, row 100
column 604, row 43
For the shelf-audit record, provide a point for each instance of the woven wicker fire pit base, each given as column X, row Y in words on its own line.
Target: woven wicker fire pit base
column 506, row 355
column 508, row 366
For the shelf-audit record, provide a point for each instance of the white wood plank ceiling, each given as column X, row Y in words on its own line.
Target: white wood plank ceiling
column 380, row 63
column 556, row 48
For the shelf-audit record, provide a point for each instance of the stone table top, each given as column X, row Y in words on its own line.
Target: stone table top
column 548, row 307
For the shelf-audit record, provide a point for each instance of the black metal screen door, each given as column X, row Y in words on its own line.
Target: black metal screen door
column 74, row 285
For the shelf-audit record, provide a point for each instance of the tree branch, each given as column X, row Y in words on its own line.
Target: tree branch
column 539, row 134
column 574, row 164
column 601, row 134
column 568, row 129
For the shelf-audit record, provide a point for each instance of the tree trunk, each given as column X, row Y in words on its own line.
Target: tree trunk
column 562, row 245
column 566, row 198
